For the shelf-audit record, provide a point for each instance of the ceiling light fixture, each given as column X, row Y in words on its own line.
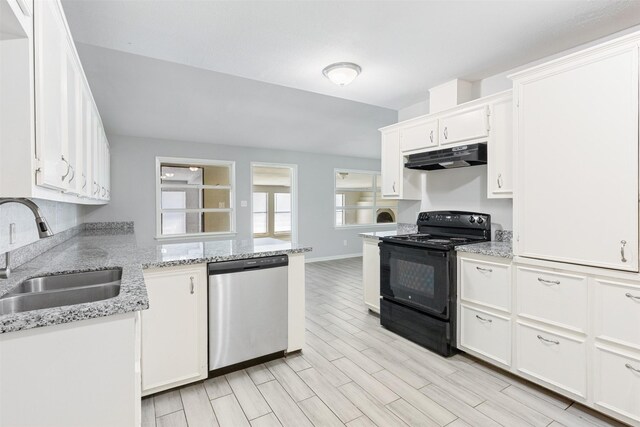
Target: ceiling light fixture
column 194, row 169
column 342, row 73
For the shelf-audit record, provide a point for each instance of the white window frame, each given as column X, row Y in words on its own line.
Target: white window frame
column 197, row 162
column 374, row 207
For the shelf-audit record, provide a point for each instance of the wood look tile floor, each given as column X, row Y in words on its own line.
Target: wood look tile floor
column 353, row 372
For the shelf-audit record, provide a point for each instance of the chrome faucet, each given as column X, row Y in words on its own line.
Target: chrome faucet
column 41, row 223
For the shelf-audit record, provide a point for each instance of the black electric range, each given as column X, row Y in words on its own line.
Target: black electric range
column 418, row 277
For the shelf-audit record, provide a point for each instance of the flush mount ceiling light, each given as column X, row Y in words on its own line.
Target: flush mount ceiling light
column 342, row 73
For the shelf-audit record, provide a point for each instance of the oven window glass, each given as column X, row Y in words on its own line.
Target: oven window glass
column 414, row 278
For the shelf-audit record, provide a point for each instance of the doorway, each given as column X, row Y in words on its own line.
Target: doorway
column 274, row 201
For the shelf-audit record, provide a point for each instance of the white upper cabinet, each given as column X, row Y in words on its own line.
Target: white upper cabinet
column 391, row 164
column 49, row 145
column 465, row 125
column 500, row 150
column 397, row 182
column 50, row 95
column 577, row 159
column 420, row 135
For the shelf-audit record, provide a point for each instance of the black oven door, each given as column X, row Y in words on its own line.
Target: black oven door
column 416, row 277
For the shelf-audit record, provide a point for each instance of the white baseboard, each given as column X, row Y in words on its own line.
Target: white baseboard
column 331, row 258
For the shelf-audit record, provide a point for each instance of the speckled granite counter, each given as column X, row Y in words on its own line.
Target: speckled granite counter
column 103, row 249
column 497, row 249
column 378, row 234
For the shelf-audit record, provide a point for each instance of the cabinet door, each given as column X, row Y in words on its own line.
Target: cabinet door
column 391, row 164
column 371, row 273
column 419, row 136
column 72, row 144
column 50, row 49
column 500, row 151
column 85, row 176
column 174, row 328
column 577, row 157
column 465, row 126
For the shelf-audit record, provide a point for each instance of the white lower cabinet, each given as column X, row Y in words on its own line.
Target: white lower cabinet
column 572, row 329
column 174, row 328
column 486, row 333
column 617, row 382
column 555, row 358
column 371, row 273
column 552, row 297
column 617, row 311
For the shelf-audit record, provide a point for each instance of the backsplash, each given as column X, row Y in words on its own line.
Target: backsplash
column 503, row 236
column 60, row 216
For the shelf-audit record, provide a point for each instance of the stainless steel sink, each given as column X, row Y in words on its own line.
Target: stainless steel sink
column 62, row 289
column 66, row 281
column 48, row 299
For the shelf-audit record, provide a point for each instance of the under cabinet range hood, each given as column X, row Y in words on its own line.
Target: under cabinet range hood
column 449, row 158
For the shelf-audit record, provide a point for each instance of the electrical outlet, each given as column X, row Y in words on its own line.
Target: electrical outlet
column 344, row 242
column 12, row 233
column 243, row 203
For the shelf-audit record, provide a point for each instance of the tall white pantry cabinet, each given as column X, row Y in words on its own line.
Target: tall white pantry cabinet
column 576, row 299
column 52, row 142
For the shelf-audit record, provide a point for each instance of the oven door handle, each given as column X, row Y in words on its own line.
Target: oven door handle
column 438, row 254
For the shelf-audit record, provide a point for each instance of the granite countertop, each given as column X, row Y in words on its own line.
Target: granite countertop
column 378, row 234
column 497, row 249
column 99, row 250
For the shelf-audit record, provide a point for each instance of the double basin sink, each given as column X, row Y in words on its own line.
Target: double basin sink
column 61, row 289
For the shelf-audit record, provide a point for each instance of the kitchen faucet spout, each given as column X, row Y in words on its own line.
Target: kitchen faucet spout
column 41, row 223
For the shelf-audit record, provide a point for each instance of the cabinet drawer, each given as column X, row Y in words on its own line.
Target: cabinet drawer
column 486, row 333
column 617, row 312
column 554, row 358
column 465, row 126
column 418, row 136
column 486, row 283
column 617, row 382
column 557, row 298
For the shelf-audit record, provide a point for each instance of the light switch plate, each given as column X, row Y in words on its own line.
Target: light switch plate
column 243, row 203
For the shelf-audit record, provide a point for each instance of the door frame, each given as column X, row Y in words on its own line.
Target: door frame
column 293, row 169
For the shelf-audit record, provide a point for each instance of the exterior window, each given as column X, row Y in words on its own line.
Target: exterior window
column 358, row 200
column 282, row 213
column 194, row 197
column 260, row 213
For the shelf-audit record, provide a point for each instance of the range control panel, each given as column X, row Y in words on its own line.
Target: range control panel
column 455, row 219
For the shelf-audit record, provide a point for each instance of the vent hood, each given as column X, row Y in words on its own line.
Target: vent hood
column 449, row 158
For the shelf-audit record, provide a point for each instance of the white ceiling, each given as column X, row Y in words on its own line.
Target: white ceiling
column 404, row 47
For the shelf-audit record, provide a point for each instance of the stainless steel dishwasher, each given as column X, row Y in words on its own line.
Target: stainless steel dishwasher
column 248, row 302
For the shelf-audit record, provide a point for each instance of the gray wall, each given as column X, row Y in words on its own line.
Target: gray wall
column 60, row 216
column 133, row 189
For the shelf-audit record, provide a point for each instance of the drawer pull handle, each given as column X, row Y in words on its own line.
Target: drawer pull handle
column 482, row 319
column 446, row 133
column 431, row 136
column 193, row 289
column 628, row 295
column 484, row 269
column 499, row 180
column 541, row 338
column 548, row 282
column 628, row 366
column 623, row 243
